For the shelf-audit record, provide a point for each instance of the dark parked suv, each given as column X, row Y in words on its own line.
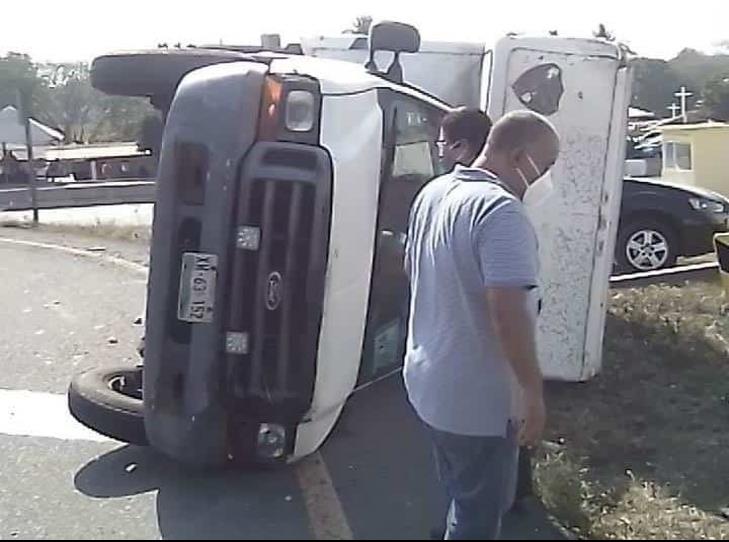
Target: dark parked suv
column 660, row 222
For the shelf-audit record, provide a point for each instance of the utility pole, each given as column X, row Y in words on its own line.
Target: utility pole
column 23, row 99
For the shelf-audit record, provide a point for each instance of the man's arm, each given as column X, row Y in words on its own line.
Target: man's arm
column 507, row 250
column 515, row 329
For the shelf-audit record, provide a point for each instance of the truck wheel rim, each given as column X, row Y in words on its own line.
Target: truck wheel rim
column 126, row 385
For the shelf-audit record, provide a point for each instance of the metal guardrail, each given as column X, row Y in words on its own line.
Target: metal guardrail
column 79, row 194
column 672, row 276
column 137, row 191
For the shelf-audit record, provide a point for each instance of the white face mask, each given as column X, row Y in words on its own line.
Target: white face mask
column 537, row 192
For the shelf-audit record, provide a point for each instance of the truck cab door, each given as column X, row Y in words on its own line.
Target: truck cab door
column 410, row 160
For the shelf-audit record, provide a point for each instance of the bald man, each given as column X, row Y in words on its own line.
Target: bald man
column 471, row 368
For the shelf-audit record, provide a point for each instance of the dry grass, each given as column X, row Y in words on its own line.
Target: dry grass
column 643, row 449
column 99, row 230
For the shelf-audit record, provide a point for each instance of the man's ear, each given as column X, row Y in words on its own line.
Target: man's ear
column 467, row 152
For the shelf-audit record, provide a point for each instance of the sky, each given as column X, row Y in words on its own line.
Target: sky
column 73, row 30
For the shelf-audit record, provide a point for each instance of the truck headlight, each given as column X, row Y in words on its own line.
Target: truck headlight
column 702, row 204
column 300, row 111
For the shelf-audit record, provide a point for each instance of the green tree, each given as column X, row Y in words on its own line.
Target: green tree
column 72, row 102
column 86, row 115
column 695, row 69
column 654, row 82
column 716, row 97
column 122, row 119
column 19, row 74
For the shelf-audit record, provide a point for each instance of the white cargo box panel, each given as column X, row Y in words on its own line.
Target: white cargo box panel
column 450, row 71
column 582, row 86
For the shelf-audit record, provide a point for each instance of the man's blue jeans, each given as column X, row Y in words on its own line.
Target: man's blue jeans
column 479, row 476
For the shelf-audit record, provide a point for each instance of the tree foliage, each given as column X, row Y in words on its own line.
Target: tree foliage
column 18, row 74
column 61, row 96
column 656, row 81
column 716, row 97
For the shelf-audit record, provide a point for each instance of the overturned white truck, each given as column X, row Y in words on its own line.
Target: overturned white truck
column 583, row 86
column 285, row 182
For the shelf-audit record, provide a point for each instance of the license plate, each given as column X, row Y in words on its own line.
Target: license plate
column 196, row 299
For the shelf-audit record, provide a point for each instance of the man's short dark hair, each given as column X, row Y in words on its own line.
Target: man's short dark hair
column 467, row 124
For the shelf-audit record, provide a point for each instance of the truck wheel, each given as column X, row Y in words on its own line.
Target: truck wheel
column 646, row 245
column 152, row 73
column 109, row 401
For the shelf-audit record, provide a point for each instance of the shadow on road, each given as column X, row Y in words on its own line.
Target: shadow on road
column 378, row 459
column 210, row 505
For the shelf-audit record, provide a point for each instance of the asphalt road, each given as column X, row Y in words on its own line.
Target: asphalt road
column 64, row 313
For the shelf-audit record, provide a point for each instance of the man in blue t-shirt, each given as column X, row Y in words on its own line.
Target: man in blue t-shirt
column 471, row 369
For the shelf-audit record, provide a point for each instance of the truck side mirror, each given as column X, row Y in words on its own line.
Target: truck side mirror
column 397, row 38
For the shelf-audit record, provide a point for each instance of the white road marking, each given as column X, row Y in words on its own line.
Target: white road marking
column 132, row 266
column 39, row 414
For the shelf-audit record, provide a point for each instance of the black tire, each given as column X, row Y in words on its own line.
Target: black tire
column 661, row 228
column 95, row 399
column 152, row 73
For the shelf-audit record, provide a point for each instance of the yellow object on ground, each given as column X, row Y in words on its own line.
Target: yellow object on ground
column 721, row 244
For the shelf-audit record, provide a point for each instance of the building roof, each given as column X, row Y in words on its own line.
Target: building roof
column 637, row 113
column 93, row 151
column 711, row 125
column 12, row 130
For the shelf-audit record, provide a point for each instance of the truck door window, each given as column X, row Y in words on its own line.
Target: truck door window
column 411, row 132
column 413, row 160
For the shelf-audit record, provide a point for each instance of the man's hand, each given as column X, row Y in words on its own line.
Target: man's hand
column 535, row 417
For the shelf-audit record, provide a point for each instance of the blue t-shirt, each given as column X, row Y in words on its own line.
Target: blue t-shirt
column 467, row 232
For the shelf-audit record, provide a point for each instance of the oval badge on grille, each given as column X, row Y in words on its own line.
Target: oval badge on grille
column 274, row 291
